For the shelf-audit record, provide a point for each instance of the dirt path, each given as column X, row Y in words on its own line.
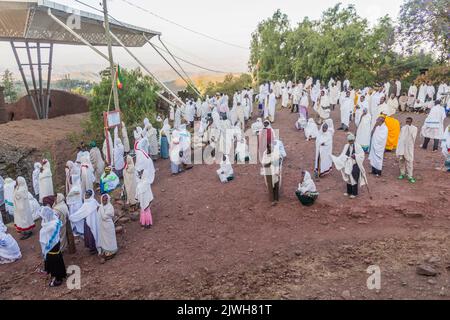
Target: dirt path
column 226, row 241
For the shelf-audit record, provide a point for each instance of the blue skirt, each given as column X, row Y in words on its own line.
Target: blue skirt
column 164, row 147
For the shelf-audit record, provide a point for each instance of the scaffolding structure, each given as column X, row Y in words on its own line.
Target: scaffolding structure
column 33, row 27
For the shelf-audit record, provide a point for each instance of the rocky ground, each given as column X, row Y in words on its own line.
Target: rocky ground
column 226, row 241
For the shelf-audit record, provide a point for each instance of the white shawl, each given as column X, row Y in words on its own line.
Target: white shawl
column 345, row 164
column 107, row 233
column 23, row 216
column 307, row 185
column 50, row 228
column 378, row 146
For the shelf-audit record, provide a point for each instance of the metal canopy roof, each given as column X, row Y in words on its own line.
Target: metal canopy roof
column 28, row 20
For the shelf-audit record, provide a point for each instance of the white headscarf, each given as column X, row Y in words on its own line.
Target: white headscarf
column 50, row 228
column 446, row 141
column 307, row 185
column 9, row 249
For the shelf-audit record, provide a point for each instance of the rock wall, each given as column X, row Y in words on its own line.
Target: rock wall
column 16, row 162
column 61, row 103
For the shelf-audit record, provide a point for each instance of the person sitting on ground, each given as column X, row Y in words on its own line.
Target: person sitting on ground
column 109, row 181
column 225, row 173
column 9, row 249
column 307, row 193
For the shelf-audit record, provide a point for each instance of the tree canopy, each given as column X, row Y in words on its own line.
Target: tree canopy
column 340, row 44
column 137, row 100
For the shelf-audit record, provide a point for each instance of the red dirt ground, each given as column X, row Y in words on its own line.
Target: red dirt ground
column 226, row 241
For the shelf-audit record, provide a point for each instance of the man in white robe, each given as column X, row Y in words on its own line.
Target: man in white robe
column 225, row 172
column 324, row 149
column 391, row 106
column 322, row 107
column 125, row 139
column 334, row 96
column 442, row 90
column 351, row 165
column 405, row 150
column 433, row 127
column 45, row 181
column 271, row 108
column 364, row 130
column 398, row 87
column 422, row 92
column 431, row 91
column 360, row 107
column 346, row 106
column 378, row 146
column 284, row 97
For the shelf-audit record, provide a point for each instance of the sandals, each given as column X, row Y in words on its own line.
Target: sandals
column 412, row 180
column 55, row 283
column 401, row 177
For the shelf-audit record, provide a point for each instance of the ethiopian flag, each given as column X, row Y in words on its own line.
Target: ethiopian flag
column 119, row 78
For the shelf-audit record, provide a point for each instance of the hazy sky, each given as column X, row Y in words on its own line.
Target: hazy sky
column 231, row 20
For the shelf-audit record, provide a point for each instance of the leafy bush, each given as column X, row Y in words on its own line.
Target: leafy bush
column 137, row 100
column 229, row 85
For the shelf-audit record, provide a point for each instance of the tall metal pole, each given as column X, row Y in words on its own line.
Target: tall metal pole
column 110, row 53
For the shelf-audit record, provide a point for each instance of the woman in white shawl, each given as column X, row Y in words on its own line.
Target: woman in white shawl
column 306, row 192
column 351, row 165
column 144, row 195
column 45, row 181
column 74, row 202
column 97, row 161
column 130, row 181
column 446, row 148
column 225, row 172
column 23, row 216
column 324, row 148
column 88, row 214
column 315, row 92
column 87, row 175
column 107, row 243
column 9, row 249
column 8, row 189
column 49, row 238
column 364, row 130
column 126, row 140
column 143, row 160
column 66, row 235
column 311, row 130
column 152, row 137
column 378, row 146
column 36, row 172
column 119, row 162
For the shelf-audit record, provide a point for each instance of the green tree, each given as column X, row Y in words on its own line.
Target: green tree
column 137, row 100
column 267, row 59
column 426, row 22
column 340, row 44
column 229, row 85
column 10, row 91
